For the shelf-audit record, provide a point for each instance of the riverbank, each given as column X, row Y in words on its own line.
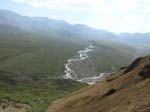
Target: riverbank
column 82, row 68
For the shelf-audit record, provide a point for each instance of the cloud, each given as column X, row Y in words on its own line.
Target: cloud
column 123, row 5
column 105, row 6
column 57, row 4
column 80, row 4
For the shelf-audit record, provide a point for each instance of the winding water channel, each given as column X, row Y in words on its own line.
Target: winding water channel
column 82, row 55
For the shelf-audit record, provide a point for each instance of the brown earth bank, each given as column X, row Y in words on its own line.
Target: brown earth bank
column 127, row 90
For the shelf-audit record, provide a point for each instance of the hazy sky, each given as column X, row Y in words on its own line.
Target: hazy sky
column 113, row 15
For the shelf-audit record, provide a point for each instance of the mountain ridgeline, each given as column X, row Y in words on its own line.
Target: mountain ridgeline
column 43, row 45
column 63, row 29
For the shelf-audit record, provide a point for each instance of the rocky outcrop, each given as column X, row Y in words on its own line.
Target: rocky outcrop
column 11, row 106
column 146, row 72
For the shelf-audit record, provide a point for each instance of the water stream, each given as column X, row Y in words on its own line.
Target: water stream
column 82, row 55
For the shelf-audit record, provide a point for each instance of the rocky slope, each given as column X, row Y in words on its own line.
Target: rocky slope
column 10, row 106
column 128, row 90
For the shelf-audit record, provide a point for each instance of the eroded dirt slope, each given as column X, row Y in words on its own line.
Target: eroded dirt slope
column 128, row 90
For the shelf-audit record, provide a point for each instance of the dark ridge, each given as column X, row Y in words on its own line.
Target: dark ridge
column 110, row 92
column 111, row 79
column 147, row 66
column 146, row 72
column 122, row 68
column 133, row 65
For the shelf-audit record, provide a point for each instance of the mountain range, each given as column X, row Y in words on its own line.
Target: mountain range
column 61, row 27
column 34, row 32
column 34, row 50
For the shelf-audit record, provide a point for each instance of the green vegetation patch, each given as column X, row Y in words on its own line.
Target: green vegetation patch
column 38, row 94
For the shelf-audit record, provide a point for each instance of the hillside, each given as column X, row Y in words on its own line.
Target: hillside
column 136, row 38
column 43, row 45
column 124, row 91
column 32, row 92
column 26, row 52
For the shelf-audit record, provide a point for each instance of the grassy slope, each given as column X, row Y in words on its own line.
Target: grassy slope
column 30, row 53
column 111, row 55
column 37, row 94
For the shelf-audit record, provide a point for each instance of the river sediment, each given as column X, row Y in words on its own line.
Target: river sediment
column 82, row 68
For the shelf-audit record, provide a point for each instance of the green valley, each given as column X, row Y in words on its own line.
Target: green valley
column 34, row 51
